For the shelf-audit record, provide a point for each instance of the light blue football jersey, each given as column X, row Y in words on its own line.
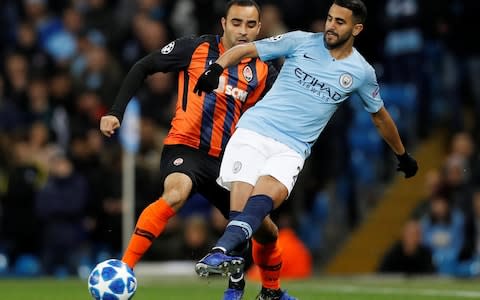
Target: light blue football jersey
column 309, row 88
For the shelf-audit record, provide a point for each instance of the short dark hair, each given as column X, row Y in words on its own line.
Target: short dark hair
column 242, row 3
column 358, row 8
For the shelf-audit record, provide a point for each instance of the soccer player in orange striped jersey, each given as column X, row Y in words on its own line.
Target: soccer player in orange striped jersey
column 200, row 129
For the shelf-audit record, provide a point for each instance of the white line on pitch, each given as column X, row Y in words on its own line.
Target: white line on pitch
column 349, row 289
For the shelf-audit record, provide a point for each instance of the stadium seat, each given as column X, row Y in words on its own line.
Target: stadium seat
column 363, row 170
column 61, row 272
column 27, row 265
column 366, row 140
column 401, row 102
column 402, row 95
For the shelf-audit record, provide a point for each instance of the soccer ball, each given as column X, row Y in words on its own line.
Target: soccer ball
column 112, row 280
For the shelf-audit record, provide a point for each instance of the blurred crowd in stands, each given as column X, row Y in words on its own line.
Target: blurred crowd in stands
column 62, row 63
column 443, row 234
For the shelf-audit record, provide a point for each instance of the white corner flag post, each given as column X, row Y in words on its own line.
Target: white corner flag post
column 130, row 139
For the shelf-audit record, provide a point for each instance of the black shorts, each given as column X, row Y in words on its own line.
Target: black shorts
column 202, row 169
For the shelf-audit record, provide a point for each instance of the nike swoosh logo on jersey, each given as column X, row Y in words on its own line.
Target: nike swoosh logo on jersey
column 309, row 57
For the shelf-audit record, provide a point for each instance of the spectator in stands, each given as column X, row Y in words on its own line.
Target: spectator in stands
column 44, row 21
column 433, row 184
column 158, row 86
column 408, row 255
column 19, row 223
column 39, row 108
column 457, row 182
column 103, row 172
column 100, row 16
column 146, row 36
column 469, row 259
column 272, row 21
column 11, row 115
column 462, row 145
column 40, row 145
column 102, row 74
column 27, row 44
column 62, row 100
column 88, row 110
column 17, row 73
column 471, row 248
column 61, row 208
column 443, row 233
column 196, row 238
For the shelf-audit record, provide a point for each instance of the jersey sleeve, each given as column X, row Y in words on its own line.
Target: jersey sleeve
column 280, row 45
column 369, row 92
column 175, row 56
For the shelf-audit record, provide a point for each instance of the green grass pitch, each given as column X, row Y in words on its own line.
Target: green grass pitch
column 191, row 288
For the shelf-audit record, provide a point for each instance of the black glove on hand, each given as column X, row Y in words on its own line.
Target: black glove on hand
column 209, row 79
column 407, row 165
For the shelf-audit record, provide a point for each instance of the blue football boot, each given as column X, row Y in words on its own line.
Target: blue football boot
column 217, row 262
column 232, row 294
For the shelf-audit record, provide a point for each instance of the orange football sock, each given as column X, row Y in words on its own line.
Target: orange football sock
column 149, row 226
column 268, row 258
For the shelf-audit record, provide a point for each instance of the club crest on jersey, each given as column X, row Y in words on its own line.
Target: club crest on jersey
column 237, row 166
column 168, row 48
column 178, row 161
column 247, row 73
column 346, row 80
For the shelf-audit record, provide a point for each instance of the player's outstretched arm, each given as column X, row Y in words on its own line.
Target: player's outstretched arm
column 235, row 54
column 111, row 121
column 131, row 83
column 208, row 81
column 388, row 130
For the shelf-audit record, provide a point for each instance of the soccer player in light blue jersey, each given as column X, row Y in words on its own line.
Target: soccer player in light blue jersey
column 267, row 151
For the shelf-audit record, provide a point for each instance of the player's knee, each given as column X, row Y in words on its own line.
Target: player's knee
column 177, row 188
column 174, row 197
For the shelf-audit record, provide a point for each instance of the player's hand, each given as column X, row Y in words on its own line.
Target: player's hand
column 407, row 164
column 209, row 79
column 108, row 124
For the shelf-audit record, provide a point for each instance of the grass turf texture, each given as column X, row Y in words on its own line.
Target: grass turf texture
column 186, row 288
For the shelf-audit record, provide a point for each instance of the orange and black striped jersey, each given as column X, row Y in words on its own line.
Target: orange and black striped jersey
column 203, row 122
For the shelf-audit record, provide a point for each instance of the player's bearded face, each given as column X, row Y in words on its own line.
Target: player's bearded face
column 335, row 40
column 339, row 27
